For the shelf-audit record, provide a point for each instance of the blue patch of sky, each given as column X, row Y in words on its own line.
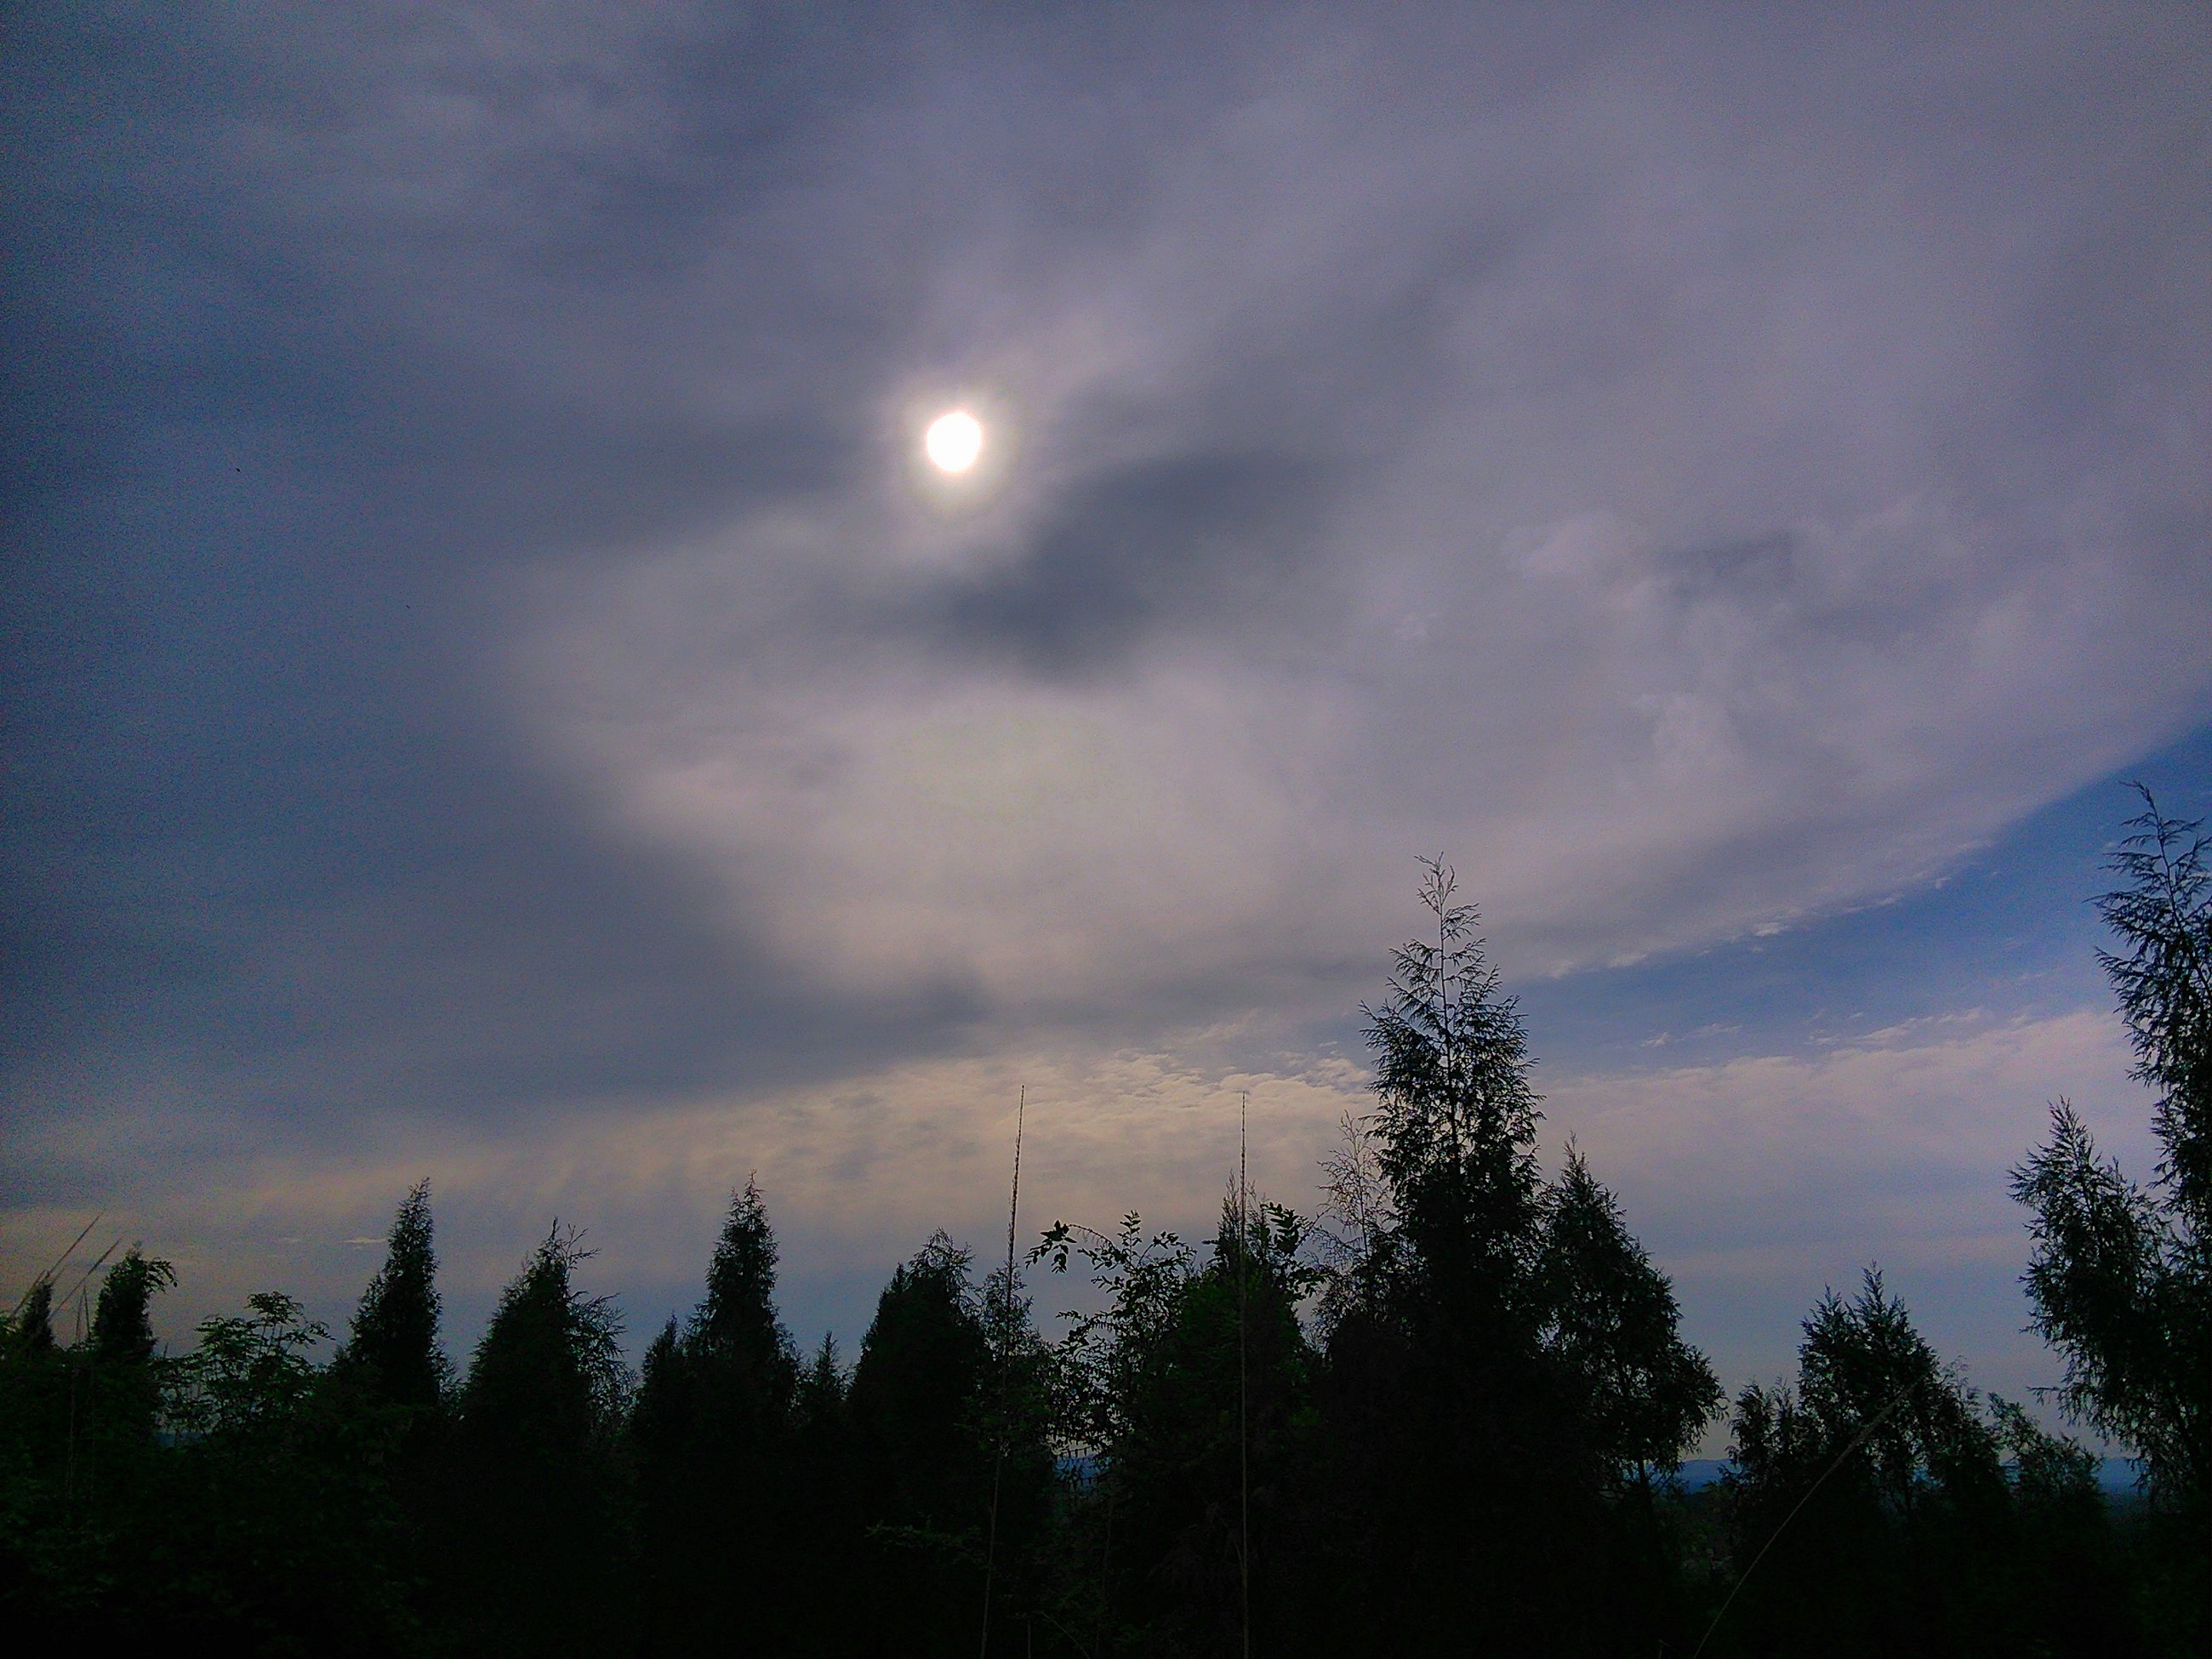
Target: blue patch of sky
column 2010, row 931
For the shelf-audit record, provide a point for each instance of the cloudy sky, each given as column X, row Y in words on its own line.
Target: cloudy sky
column 494, row 691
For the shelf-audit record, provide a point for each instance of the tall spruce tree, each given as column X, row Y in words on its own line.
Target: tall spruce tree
column 1455, row 1120
column 1462, row 1463
column 392, row 1353
column 532, row 1543
column 712, row 1435
column 736, row 1330
column 920, row 1393
column 122, row 1321
column 393, row 1387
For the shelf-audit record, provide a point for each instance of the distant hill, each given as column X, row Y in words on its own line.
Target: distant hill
column 2116, row 1476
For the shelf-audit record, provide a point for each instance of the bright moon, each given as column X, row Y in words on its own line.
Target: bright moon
column 953, row 442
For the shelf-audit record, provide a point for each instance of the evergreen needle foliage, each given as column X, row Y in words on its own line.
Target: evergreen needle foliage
column 1870, row 1509
column 532, row 1551
column 2121, row 1277
column 392, row 1353
column 1612, row 1323
column 710, row 1439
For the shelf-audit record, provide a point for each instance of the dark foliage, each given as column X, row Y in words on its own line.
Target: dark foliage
column 1191, row 1391
column 948, row 1418
column 532, row 1536
column 1443, row 1416
column 122, row 1322
column 392, row 1355
column 2121, row 1280
column 712, row 1440
column 1498, row 1355
column 1611, row 1324
column 295, row 1543
column 81, row 1509
column 1871, row 1509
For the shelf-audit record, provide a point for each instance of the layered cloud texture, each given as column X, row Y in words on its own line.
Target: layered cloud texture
column 484, row 667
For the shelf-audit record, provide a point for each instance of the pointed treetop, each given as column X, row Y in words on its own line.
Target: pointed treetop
column 122, row 1327
column 393, row 1350
column 738, row 1317
column 2163, row 916
column 35, row 1323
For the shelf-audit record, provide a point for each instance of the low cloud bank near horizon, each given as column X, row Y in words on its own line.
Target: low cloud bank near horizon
column 1756, row 1183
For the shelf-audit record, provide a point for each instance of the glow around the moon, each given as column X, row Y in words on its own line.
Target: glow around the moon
column 953, row 442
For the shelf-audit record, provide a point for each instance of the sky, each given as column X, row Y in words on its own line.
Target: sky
column 494, row 690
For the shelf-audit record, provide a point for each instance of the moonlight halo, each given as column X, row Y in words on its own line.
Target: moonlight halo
column 953, row 442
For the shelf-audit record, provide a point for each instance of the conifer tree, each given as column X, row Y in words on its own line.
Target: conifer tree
column 392, row 1353
column 916, row 1391
column 826, row 1554
column 1635, row 1398
column 2163, row 916
column 391, row 1385
column 534, row 1542
column 821, row 1399
column 1455, row 1123
column 712, row 1432
column 123, row 1397
column 663, row 1405
column 122, row 1321
column 83, row 1465
column 1871, row 1511
column 1462, row 1454
column 1611, row 1319
column 1865, row 1372
column 735, row 1337
column 2121, row 1280
column 33, row 1329
column 950, row 1413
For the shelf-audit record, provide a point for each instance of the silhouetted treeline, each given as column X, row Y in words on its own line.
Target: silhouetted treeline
column 1443, row 1414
